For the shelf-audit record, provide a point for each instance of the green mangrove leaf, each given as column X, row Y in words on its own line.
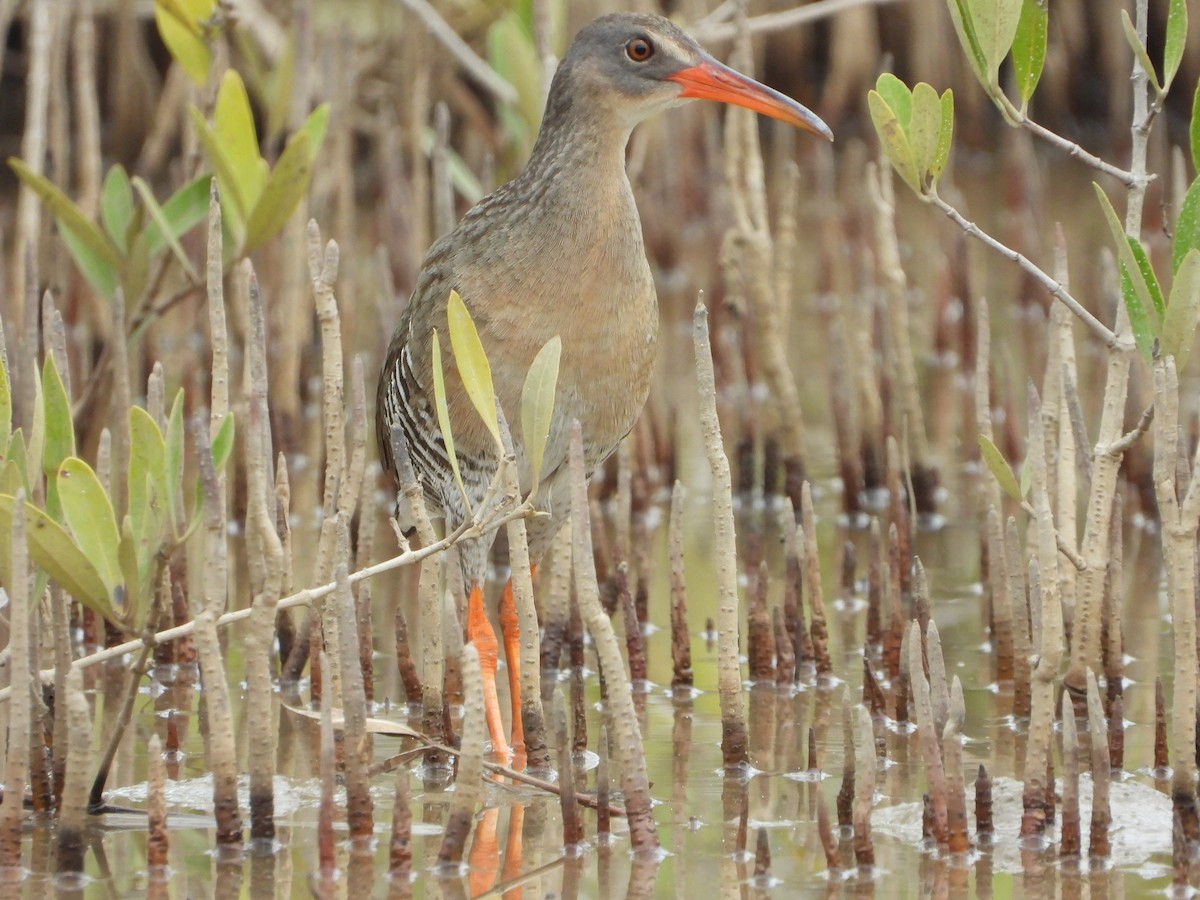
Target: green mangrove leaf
column 1177, row 26
column 1159, row 305
column 15, row 465
column 924, row 128
column 60, row 429
column 147, row 471
column 288, row 182
column 183, row 211
column 96, row 255
column 37, row 431
column 895, row 142
column 945, row 136
column 996, row 26
column 127, row 555
column 537, row 405
column 1139, row 302
column 178, row 24
column 102, row 277
column 968, row 37
column 69, row 216
column 443, row 413
column 164, row 227
column 282, row 193
column 116, row 206
column 472, row 362
column 999, row 468
column 315, row 127
column 222, row 442
column 233, row 125
column 173, row 475
column 52, row 550
column 1179, row 324
column 11, row 479
column 1194, row 129
column 136, row 271
column 1139, row 51
column 5, row 408
column 1187, row 224
column 1029, row 47
column 89, row 514
column 1139, row 317
column 234, row 208
column 897, row 96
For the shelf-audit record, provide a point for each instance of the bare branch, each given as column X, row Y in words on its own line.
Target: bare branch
column 779, row 21
column 1056, row 288
column 1128, row 439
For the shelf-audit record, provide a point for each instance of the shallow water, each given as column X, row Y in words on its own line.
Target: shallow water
column 697, row 807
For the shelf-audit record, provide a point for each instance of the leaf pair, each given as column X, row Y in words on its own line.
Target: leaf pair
column 989, row 29
column 1176, row 36
column 537, row 394
column 256, row 200
column 57, row 554
column 51, row 548
column 110, row 567
column 915, row 128
column 119, row 250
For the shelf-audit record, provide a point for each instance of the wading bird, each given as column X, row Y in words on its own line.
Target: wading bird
column 556, row 251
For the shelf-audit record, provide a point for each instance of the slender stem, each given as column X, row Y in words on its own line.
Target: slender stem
column 96, row 798
column 1064, row 545
column 1055, row 287
column 711, row 32
column 1130, row 438
column 1129, row 179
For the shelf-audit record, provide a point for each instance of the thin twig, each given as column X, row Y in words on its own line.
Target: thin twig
column 780, row 21
column 1130, row 438
column 494, row 768
column 1073, row 150
column 1056, row 288
column 1064, row 546
column 466, row 531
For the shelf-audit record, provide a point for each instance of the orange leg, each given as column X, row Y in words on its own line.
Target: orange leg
column 480, row 633
column 510, row 627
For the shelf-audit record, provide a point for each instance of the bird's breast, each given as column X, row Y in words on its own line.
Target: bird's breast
column 565, row 260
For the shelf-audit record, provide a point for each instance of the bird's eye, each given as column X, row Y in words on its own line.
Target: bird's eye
column 639, row 49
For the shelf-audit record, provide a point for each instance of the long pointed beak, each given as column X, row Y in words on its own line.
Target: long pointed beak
column 711, row 80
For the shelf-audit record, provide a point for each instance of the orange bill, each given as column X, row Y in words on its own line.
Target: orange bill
column 711, row 80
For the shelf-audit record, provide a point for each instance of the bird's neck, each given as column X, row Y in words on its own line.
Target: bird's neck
column 579, row 154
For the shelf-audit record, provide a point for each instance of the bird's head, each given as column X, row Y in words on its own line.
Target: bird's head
column 636, row 65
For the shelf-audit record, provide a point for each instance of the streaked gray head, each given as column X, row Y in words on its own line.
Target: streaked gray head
column 633, row 65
